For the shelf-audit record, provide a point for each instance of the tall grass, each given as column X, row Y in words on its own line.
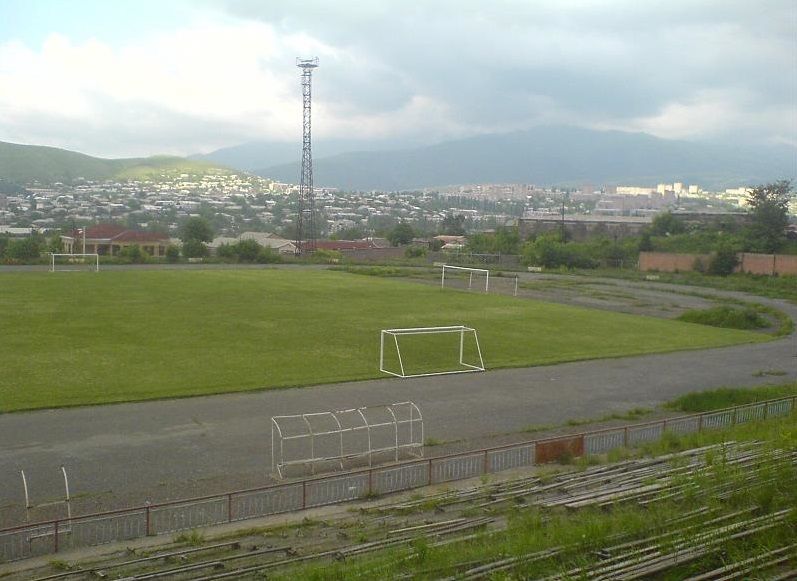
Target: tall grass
column 715, row 399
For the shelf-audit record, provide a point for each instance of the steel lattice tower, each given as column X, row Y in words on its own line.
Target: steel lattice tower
column 305, row 218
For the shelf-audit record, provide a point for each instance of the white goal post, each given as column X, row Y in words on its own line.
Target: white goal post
column 470, row 272
column 72, row 260
column 476, row 365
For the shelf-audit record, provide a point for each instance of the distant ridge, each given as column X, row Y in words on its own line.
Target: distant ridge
column 551, row 155
column 24, row 164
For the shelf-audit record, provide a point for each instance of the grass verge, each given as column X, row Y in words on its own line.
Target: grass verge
column 715, row 399
column 727, row 317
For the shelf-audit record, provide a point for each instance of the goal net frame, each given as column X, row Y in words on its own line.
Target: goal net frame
column 471, row 271
column 95, row 268
column 461, row 329
column 470, row 278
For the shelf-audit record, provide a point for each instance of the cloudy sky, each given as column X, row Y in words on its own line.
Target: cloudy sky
column 139, row 77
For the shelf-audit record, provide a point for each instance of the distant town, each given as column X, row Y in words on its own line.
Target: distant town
column 237, row 203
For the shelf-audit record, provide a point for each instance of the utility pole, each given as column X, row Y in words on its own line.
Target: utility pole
column 305, row 217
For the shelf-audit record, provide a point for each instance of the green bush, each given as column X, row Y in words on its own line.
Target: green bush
column 194, row 249
column 172, row 253
column 133, row 254
column 247, row 250
column 727, row 317
column 327, row 256
column 268, row 255
column 24, row 249
column 415, row 252
column 723, row 262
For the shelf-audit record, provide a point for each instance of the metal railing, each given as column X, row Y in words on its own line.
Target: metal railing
column 52, row 536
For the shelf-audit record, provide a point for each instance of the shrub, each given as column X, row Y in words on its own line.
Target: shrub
column 248, row 250
column 194, row 249
column 723, row 262
column 727, row 317
column 226, row 251
column 24, row 249
column 326, row 256
column 133, row 254
column 172, row 253
column 268, row 255
column 415, row 252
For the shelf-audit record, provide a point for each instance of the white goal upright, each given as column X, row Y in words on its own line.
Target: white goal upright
column 72, row 262
column 468, row 276
column 478, row 280
column 460, row 352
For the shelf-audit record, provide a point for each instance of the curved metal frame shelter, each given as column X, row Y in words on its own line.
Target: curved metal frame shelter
column 357, row 433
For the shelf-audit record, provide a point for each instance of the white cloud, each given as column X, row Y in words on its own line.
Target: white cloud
column 406, row 69
column 198, row 88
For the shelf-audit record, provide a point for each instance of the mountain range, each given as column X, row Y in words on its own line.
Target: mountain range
column 551, row 155
column 547, row 155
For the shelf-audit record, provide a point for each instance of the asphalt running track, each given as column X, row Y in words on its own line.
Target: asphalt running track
column 118, row 455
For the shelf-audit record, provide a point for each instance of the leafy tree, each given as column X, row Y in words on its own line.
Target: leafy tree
column 507, row 240
column 401, row 234
column 54, row 244
column 769, row 205
column 194, row 249
column 504, row 241
column 415, row 251
column 226, row 251
column 645, row 243
column 4, row 241
column 24, row 249
column 134, row 254
column 172, row 253
column 248, row 250
column 354, row 233
column 666, row 224
column 723, row 261
column 268, row 255
column 196, row 229
column 453, row 225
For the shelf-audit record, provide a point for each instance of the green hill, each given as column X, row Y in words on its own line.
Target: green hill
column 24, row 164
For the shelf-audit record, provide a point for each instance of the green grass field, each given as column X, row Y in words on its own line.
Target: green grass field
column 86, row 338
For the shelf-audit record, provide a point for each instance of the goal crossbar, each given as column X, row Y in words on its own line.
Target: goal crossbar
column 461, row 329
column 95, row 256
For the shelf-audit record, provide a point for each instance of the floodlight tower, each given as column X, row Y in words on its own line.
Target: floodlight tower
column 305, row 218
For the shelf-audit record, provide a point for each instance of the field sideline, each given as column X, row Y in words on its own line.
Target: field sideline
column 87, row 338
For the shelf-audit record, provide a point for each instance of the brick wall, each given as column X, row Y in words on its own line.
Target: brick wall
column 756, row 263
column 669, row 262
column 786, row 264
column 768, row 264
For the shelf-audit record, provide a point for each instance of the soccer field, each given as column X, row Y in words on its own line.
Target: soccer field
column 112, row 336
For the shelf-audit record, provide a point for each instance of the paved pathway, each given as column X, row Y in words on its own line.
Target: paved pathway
column 176, row 448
